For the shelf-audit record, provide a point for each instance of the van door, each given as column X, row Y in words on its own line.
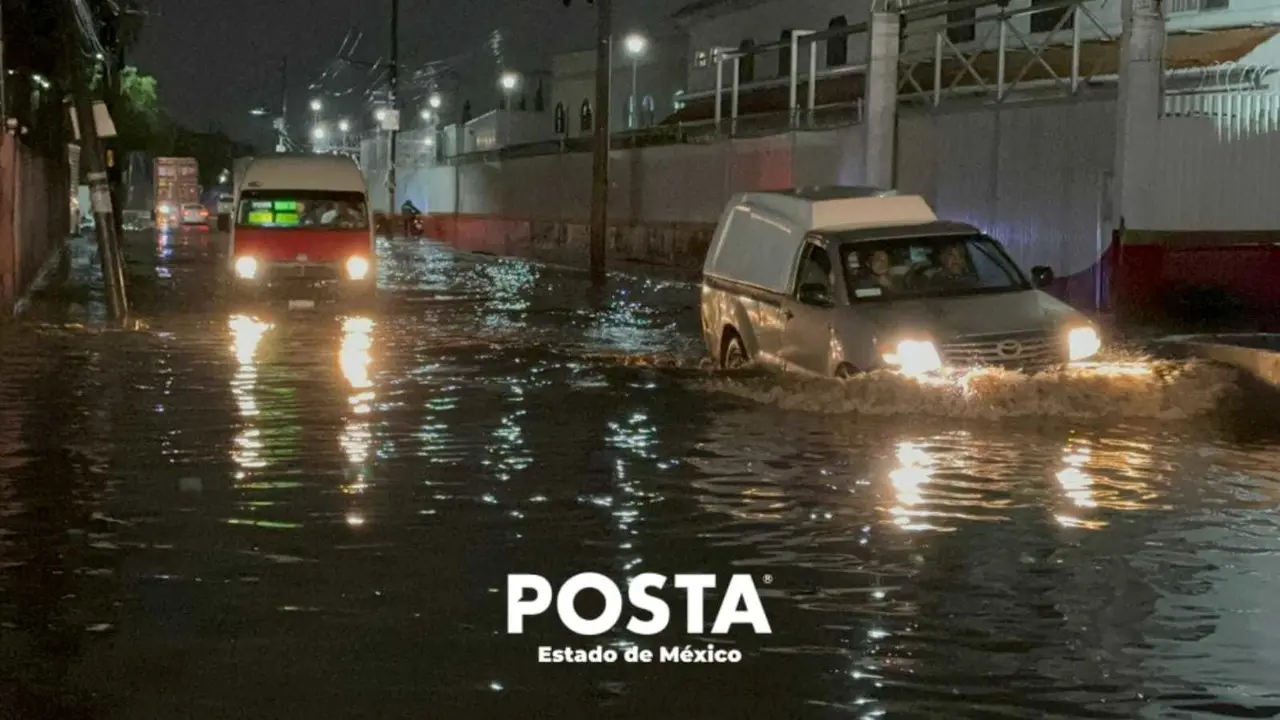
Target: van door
column 808, row 312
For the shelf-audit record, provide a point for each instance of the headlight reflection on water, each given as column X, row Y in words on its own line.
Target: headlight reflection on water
column 355, row 358
column 246, row 336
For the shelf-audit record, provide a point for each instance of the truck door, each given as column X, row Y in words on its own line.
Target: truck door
column 808, row 311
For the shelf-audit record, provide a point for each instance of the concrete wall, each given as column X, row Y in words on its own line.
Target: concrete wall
column 672, row 184
column 1032, row 176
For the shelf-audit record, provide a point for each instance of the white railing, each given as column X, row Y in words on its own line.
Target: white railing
column 1179, row 7
column 1236, row 113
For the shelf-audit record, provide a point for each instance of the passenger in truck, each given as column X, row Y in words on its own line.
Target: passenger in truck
column 953, row 271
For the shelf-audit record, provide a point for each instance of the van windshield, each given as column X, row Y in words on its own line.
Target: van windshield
column 930, row 266
column 306, row 209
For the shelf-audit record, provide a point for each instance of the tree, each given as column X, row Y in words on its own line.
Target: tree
column 141, row 124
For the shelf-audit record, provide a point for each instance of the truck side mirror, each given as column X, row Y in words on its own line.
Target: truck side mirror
column 814, row 294
column 1042, row 276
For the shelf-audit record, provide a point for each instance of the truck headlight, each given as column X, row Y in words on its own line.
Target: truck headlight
column 915, row 357
column 1082, row 343
column 357, row 268
column 246, row 268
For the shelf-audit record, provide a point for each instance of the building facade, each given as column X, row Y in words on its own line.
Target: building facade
column 657, row 72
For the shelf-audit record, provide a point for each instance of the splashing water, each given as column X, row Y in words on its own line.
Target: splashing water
column 1151, row 390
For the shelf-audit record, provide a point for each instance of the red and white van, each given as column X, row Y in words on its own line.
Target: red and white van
column 303, row 229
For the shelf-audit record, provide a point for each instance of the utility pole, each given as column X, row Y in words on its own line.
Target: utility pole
column 600, row 147
column 109, row 250
column 393, row 78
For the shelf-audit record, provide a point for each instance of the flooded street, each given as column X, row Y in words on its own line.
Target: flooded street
column 219, row 515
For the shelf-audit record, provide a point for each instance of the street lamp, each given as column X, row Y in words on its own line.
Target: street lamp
column 635, row 45
column 380, row 115
column 318, row 133
column 509, row 80
column 435, row 101
column 425, row 114
column 344, row 126
column 316, row 105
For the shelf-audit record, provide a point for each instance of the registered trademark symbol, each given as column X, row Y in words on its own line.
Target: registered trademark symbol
column 768, row 579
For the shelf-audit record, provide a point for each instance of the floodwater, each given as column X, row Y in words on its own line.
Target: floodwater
column 212, row 516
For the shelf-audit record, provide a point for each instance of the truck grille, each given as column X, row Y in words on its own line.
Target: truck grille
column 1022, row 350
column 316, row 273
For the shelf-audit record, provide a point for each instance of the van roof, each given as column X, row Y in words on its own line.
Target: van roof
column 840, row 207
column 304, row 172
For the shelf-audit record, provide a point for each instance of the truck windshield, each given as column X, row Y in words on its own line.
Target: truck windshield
column 305, row 209
column 931, row 266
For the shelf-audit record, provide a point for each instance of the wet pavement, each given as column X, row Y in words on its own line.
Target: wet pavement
column 310, row 516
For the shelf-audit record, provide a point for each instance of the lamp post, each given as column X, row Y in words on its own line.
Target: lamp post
column 344, row 127
column 318, row 134
column 435, row 101
column 635, row 45
column 316, row 107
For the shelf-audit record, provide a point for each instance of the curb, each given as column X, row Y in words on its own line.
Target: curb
column 1258, row 355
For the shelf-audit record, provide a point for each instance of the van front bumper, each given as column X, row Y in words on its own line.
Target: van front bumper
column 321, row 282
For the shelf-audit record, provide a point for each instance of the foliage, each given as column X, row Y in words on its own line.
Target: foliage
column 143, row 126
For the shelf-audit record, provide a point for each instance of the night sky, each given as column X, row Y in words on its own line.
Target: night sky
column 214, row 61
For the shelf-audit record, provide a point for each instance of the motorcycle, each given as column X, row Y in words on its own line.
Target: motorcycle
column 415, row 224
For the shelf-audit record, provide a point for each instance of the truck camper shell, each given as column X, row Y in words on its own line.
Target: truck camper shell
column 761, row 234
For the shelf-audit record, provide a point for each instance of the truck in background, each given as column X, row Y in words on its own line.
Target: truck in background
column 177, row 184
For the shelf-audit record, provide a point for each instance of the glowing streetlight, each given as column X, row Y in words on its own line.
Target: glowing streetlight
column 425, row 114
column 316, row 105
column 435, row 101
column 635, row 45
column 429, row 142
column 318, row 133
column 344, row 126
column 380, row 114
column 508, row 81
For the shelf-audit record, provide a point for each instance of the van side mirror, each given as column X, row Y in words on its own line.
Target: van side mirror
column 1041, row 276
column 814, row 294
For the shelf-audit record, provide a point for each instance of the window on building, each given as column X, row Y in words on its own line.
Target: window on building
column 1046, row 20
column 961, row 23
column 585, row 116
column 838, row 47
column 746, row 63
column 784, row 54
column 562, row 124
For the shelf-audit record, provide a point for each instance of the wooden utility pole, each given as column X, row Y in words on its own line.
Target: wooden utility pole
column 109, row 251
column 600, row 147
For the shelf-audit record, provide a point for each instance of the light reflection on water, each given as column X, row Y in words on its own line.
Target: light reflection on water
column 384, row 472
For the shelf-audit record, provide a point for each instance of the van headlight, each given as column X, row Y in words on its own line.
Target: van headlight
column 915, row 357
column 1082, row 343
column 357, row 268
column 246, row 268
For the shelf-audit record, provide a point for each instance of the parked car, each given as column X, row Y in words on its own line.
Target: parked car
column 837, row 280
